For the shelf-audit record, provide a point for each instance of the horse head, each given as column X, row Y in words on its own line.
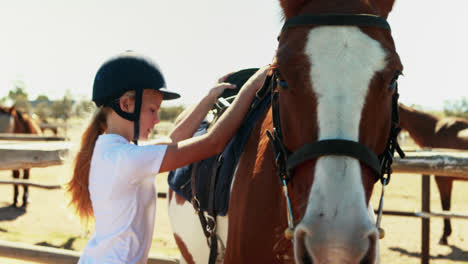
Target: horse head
column 13, row 120
column 336, row 73
column 7, row 121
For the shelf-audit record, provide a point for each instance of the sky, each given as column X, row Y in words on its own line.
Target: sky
column 56, row 46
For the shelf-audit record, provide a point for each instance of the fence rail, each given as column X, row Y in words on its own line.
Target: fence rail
column 30, row 184
column 29, row 155
column 433, row 162
column 425, row 214
column 440, row 162
column 29, row 137
column 425, row 163
column 44, row 254
column 52, row 186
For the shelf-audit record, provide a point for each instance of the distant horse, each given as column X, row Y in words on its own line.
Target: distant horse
column 15, row 121
column 431, row 131
column 333, row 94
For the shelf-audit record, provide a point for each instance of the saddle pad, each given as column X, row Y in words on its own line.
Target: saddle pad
column 224, row 165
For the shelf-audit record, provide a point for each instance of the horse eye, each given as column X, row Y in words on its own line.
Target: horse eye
column 283, row 84
column 394, row 82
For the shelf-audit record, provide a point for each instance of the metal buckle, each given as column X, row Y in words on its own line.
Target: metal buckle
column 196, row 204
column 211, row 224
column 289, row 210
column 380, row 210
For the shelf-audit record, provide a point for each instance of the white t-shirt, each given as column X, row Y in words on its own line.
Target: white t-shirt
column 121, row 185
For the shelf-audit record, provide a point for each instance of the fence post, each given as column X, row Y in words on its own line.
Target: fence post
column 425, row 224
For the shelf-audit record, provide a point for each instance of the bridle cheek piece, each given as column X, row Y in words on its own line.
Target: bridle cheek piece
column 286, row 161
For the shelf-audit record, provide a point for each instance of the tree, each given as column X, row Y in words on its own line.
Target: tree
column 19, row 97
column 62, row 108
column 83, row 108
column 18, row 92
column 42, row 98
column 457, row 108
column 42, row 106
column 42, row 109
column 170, row 113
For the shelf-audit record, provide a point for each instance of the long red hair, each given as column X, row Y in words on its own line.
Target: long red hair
column 78, row 185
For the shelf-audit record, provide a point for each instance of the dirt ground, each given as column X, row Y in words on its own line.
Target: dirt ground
column 47, row 221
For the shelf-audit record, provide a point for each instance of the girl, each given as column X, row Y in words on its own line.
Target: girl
column 113, row 180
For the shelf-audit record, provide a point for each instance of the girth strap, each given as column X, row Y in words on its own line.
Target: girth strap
column 338, row 147
column 208, row 221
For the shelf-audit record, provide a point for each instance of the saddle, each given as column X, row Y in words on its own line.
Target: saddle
column 207, row 183
column 216, row 171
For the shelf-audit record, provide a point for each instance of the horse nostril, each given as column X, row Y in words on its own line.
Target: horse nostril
column 370, row 256
column 306, row 259
column 300, row 251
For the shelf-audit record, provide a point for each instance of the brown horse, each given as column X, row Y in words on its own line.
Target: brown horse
column 433, row 132
column 336, row 82
column 15, row 121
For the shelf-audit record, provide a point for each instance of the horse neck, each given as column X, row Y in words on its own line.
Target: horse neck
column 34, row 127
column 25, row 124
column 256, row 176
column 419, row 125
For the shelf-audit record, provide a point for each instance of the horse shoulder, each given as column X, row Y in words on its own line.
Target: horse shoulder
column 250, row 221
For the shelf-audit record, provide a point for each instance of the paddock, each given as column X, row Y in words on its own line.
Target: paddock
column 402, row 243
column 440, row 162
column 47, row 152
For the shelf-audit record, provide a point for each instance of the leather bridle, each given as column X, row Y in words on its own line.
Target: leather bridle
column 287, row 161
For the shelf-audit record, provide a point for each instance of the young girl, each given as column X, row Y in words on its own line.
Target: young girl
column 113, row 180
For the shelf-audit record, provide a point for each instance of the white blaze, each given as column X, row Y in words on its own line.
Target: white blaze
column 343, row 61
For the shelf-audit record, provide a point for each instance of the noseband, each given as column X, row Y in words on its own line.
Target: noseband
column 287, row 161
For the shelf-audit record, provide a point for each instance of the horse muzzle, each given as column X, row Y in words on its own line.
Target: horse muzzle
column 334, row 248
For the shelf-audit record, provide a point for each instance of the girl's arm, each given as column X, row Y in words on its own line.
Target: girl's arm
column 188, row 151
column 190, row 119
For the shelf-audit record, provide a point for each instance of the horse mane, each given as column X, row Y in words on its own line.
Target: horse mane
column 428, row 130
column 293, row 7
column 383, row 6
column 29, row 125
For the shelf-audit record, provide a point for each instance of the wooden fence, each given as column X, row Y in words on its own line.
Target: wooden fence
column 32, row 154
column 425, row 163
column 42, row 254
column 440, row 162
column 40, row 152
column 29, row 137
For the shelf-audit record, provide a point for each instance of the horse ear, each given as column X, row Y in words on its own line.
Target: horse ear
column 291, row 7
column 384, row 6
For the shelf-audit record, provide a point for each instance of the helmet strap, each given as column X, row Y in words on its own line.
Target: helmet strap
column 134, row 117
column 125, row 115
column 136, row 123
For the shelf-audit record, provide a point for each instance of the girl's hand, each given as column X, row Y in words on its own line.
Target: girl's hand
column 219, row 87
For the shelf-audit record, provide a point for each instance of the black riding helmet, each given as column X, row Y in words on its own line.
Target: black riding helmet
column 126, row 72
